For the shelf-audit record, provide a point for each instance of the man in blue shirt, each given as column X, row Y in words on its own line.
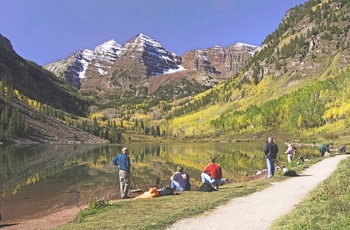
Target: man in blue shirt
column 123, row 162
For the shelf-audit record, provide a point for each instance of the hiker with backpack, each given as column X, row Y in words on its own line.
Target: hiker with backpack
column 180, row 180
column 212, row 174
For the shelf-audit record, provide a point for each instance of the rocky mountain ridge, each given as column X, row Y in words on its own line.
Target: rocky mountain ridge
column 86, row 62
column 308, row 37
column 133, row 67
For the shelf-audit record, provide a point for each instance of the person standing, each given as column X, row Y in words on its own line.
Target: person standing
column 180, row 180
column 212, row 173
column 290, row 152
column 270, row 150
column 122, row 160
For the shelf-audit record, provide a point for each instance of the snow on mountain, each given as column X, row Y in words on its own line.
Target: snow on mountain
column 105, row 55
column 78, row 64
column 112, row 65
column 249, row 48
column 86, row 57
column 71, row 68
column 155, row 57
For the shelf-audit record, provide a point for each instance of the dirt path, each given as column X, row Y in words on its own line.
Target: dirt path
column 260, row 209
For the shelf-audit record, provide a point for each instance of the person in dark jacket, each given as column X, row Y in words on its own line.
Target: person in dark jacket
column 180, row 180
column 323, row 149
column 123, row 162
column 270, row 150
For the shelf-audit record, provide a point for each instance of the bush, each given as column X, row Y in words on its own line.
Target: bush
column 93, row 207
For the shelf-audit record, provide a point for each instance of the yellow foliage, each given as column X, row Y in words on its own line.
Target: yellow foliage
column 142, row 116
column 286, row 40
column 16, row 93
column 319, row 5
column 34, row 104
column 194, row 123
column 260, row 92
column 98, row 116
column 96, row 165
column 15, row 189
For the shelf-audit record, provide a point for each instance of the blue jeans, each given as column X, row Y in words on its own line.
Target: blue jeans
column 175, row 184
column 270, row 167
column 205, row 177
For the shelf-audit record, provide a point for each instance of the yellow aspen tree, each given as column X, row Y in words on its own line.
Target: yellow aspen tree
column 300, row 121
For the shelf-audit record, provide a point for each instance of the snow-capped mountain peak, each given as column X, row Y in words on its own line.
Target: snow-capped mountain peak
column 104, row 56
column 95, row 62
column 114, row 65
column 153, row 55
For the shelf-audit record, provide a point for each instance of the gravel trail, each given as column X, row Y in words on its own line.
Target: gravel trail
column 260, row 209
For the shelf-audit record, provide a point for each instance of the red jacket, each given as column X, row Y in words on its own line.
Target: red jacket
column 214, row 170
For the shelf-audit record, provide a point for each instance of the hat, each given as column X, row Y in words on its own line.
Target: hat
column 289, row 145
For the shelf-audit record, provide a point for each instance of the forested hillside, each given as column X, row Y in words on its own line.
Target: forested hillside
column 297, row 84
column 26, row 121
column 36, row 83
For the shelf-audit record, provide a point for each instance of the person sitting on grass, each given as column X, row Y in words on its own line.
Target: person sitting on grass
column 324, row 150
column 180, row 180
column 212, row 174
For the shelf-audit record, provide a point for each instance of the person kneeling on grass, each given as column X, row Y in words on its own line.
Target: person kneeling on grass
column 180, row 180
column 212, row 173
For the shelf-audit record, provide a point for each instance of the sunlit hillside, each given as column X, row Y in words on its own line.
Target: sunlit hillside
column 296, row 85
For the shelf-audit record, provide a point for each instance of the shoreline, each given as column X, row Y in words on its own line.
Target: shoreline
column 44, row 220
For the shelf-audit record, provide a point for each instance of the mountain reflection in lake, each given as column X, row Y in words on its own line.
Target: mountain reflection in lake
column 44, row 178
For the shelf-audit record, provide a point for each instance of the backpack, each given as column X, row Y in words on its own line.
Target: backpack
column 206, row 187
column 166, row 191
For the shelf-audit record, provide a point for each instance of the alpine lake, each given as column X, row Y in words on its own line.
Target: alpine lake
column 38, row 179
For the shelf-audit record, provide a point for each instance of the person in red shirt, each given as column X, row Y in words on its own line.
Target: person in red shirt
column 212, row 174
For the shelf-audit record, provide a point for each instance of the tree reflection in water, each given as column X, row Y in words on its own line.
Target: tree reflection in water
column 40, row 178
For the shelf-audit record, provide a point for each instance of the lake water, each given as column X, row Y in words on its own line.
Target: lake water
column 43, row 178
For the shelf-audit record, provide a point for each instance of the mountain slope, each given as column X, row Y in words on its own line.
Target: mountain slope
column 293, row 84
column 144, row 67
column 37, row 83
column 49, row 130
column 86, row 64
column 28, row 93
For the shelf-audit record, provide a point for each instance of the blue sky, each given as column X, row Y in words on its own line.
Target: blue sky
column 44, row 31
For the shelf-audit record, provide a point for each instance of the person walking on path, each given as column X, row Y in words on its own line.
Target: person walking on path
column 122, row 160
column 180, row 180
column 270, row 150
column 212, row 174
column 258, row 210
